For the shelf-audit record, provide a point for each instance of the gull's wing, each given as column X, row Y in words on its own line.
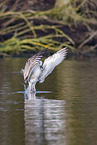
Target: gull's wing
column 31, row 63
column 51, row 62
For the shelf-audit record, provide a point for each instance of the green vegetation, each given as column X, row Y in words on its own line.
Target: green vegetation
column 19, row 33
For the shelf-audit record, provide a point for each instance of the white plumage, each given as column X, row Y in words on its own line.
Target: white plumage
column 35, row 71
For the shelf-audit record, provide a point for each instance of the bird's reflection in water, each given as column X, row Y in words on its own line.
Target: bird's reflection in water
column 44, row 120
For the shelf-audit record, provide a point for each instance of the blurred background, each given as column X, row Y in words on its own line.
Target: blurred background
column 32, row 25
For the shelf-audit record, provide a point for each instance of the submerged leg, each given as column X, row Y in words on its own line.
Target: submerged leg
column 31, row 87
column 30, row 92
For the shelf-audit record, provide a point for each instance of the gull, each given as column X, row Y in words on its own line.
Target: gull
column 36, row 71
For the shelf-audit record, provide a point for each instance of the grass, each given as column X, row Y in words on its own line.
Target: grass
column 24, row 34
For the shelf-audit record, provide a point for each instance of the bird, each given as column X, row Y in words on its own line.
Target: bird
column 36, row 71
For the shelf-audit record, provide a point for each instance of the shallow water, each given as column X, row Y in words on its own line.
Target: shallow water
column 67, row 115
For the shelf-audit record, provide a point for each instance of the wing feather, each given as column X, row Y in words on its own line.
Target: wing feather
column 51, row 62
column 31, row 63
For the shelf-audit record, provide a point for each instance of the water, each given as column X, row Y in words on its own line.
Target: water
column 65, row 116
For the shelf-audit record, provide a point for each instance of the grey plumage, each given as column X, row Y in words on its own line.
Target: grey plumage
column 32, row 64
column 35, row 71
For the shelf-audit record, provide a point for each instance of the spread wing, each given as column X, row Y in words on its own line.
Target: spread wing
column 51, row 62
column 31, row 63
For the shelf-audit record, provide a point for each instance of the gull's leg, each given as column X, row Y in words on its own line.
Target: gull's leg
column 30, row 87
column 30, row 92
column 33, row 88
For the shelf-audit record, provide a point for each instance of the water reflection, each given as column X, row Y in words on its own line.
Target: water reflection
column 44, row 121
column 67, row 116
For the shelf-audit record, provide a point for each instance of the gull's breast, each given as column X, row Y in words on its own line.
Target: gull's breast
column 35, row 74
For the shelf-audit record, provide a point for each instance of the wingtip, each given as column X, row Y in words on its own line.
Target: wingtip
column 65, row 48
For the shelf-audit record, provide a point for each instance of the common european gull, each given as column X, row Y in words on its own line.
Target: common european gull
column 36, row 71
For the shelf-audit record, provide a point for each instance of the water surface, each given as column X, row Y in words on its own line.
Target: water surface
column 65, row 116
